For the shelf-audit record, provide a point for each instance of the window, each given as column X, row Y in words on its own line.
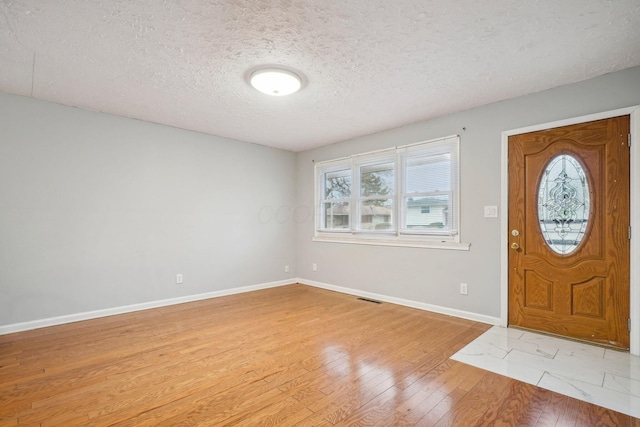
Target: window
column 376, row 199
column 404, row 196
column 337, row 197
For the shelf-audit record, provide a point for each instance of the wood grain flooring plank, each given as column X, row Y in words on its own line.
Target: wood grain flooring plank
column 289, row 356
column 8, row 422
column 222, row 396
column 227, row 409
column 286, row 411
column 510, row 406
column 441, row 409
column 597, row 416
column 373, row 411
column 551, row 407
column 471, row 407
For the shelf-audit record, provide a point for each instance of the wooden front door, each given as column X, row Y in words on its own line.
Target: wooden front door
column 569, row 218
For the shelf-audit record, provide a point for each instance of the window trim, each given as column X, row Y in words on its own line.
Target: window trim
column 400, row 235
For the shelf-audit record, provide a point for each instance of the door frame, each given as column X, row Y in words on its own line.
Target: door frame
column 634, row 296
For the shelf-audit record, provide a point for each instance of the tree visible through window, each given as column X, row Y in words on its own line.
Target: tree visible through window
column 402, row 192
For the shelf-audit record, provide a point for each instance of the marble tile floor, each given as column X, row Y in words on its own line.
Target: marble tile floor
column 593, row 374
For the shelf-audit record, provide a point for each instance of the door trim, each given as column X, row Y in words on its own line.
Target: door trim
column 634, row 296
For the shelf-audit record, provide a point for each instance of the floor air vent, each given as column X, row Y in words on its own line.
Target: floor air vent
column 370, row 300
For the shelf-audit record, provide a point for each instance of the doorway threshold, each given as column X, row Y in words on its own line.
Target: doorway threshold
column 595, row 374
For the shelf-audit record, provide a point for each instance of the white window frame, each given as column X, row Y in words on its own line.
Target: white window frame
column 399, row 234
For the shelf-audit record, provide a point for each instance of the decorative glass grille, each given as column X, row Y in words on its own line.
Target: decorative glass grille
column 563, row 204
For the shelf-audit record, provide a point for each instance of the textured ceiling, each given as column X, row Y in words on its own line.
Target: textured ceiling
column 370, row 65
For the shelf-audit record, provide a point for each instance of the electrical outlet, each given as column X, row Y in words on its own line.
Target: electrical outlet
column 463, row 289
column 178, row 279
column 286, row 268
column 314, row 266
column 491, row 212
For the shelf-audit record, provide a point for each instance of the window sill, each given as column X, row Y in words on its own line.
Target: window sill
column 406, row 243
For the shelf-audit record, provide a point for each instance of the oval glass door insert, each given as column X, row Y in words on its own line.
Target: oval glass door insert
column 563, row 204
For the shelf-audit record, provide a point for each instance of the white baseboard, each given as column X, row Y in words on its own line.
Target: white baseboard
column 407, row 303
column 52, row 321
column 60, row 320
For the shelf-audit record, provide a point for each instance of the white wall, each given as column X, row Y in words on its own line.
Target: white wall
column 98, row 211
column 432, row 276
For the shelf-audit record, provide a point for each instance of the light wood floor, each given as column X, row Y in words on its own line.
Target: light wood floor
column 288, row 356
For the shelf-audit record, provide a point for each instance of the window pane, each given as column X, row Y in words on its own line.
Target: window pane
column 336, row 215
column 377, row 180
column 337, row 185
column 376, row 214
column 429, row 174
column 427, row 213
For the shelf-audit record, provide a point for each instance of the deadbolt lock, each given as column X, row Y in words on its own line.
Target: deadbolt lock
column 515, row 233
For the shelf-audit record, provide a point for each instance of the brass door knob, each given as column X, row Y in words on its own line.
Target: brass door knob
column 515, row 246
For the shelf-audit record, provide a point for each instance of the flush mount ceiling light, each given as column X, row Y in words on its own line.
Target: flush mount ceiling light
column 275, row 81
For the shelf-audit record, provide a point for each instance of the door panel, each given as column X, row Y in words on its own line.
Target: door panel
column 573, row 280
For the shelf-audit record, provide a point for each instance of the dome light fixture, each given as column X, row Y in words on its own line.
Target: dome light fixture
column 275, row 81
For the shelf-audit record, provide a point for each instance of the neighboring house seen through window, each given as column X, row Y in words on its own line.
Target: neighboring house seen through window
column 406, row 196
